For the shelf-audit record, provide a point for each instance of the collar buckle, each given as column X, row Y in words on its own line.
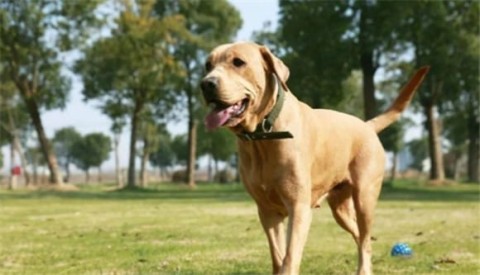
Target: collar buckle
column 266, row 126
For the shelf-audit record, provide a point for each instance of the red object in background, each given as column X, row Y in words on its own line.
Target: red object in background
column 16, row 171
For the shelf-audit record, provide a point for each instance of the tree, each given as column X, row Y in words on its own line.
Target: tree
column 312, row 50
column 326, row 40
column 418, row 148
column 116, row 113
column 91, row 151
column 208, row 23
column 163, row 157
column 31, row 59
column 462, row 125
column 36, row 159
column 392, row 137
column 439, row 28
column 150, row 133
column 63, row 142
column 219, row 144
column 134, row 67
column 179, row 147
column 371, row 42
column 13, row 123
column 392, row 140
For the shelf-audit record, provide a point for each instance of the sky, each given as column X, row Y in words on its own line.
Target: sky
column 86, row 117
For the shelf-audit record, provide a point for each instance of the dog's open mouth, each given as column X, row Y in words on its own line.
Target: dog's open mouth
column 222, row 114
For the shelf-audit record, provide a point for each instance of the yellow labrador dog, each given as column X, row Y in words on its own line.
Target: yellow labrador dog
column 292, row 156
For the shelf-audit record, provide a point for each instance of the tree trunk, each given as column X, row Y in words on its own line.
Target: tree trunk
column 367, row 64
column 87, row 176
column 35, row 169
column 12, row 183
column 209, row 169
column 67, row 169
column 118, row 172
column 133, row 142
column 192, row 138
column 18, row 147
column 473, row 166
column 393, row 172
column 192, row 146
column 48, row 154
column 99, row 178
column 143, row 165
column 23, row 161
column 434, row 144
column 368, row 73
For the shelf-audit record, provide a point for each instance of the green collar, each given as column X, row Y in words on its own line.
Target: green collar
column 264, row 128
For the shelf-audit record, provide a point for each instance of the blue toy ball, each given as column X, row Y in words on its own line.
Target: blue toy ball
column 401, row 249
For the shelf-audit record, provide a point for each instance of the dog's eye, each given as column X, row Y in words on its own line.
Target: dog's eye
column 208, row 66
column 237, row 62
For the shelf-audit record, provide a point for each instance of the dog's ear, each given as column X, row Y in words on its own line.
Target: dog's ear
column 276, row 66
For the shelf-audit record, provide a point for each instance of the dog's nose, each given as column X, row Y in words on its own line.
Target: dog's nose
column 209, row 87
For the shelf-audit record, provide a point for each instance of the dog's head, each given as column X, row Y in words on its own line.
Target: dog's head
column 240, row 85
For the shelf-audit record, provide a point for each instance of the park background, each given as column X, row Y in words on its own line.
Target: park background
column 126, row 75
column 85, row 81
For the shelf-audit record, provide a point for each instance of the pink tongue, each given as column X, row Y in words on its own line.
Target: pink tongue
column 217, row 118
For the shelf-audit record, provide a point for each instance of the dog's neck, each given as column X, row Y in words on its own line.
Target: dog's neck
column 264, row 128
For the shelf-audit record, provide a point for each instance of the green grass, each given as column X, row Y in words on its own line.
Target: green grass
column 168, row 229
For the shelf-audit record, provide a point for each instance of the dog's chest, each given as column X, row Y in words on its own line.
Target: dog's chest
column 264, row 174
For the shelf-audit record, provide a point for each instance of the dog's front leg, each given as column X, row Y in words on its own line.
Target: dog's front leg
column 272, row 223
column 300, row 217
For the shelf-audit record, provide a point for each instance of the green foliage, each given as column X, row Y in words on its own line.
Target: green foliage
column 63, row 142
column 31, row 34
column 130, row 68
column 179, row 146
column 91, row 151
column 462, row 84
column 207, row 24
column 434, row 30
column 35, row 156
column 164, row 156
column 150, row 132
column 351, row 102
column 220, row 144
column 326, row 40
column 392, row 137
column 133, row 72
column 316, row 57
column 14, row 119
column 418, row 148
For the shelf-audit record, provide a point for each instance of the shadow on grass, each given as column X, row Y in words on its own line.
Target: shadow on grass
column 232, row 192
column 402, row 191
column 412, row 191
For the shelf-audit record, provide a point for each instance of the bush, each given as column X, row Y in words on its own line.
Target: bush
column 179, row 176
column 224, row 176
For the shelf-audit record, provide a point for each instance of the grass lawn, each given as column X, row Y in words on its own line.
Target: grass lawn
column 214, row 229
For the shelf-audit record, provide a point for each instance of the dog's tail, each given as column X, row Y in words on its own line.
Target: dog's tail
column 382, row 121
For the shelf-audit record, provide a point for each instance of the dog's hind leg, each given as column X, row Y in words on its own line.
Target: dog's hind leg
column 273, row 226
column 366, row 182
column 341, row 203
column 366, row 172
